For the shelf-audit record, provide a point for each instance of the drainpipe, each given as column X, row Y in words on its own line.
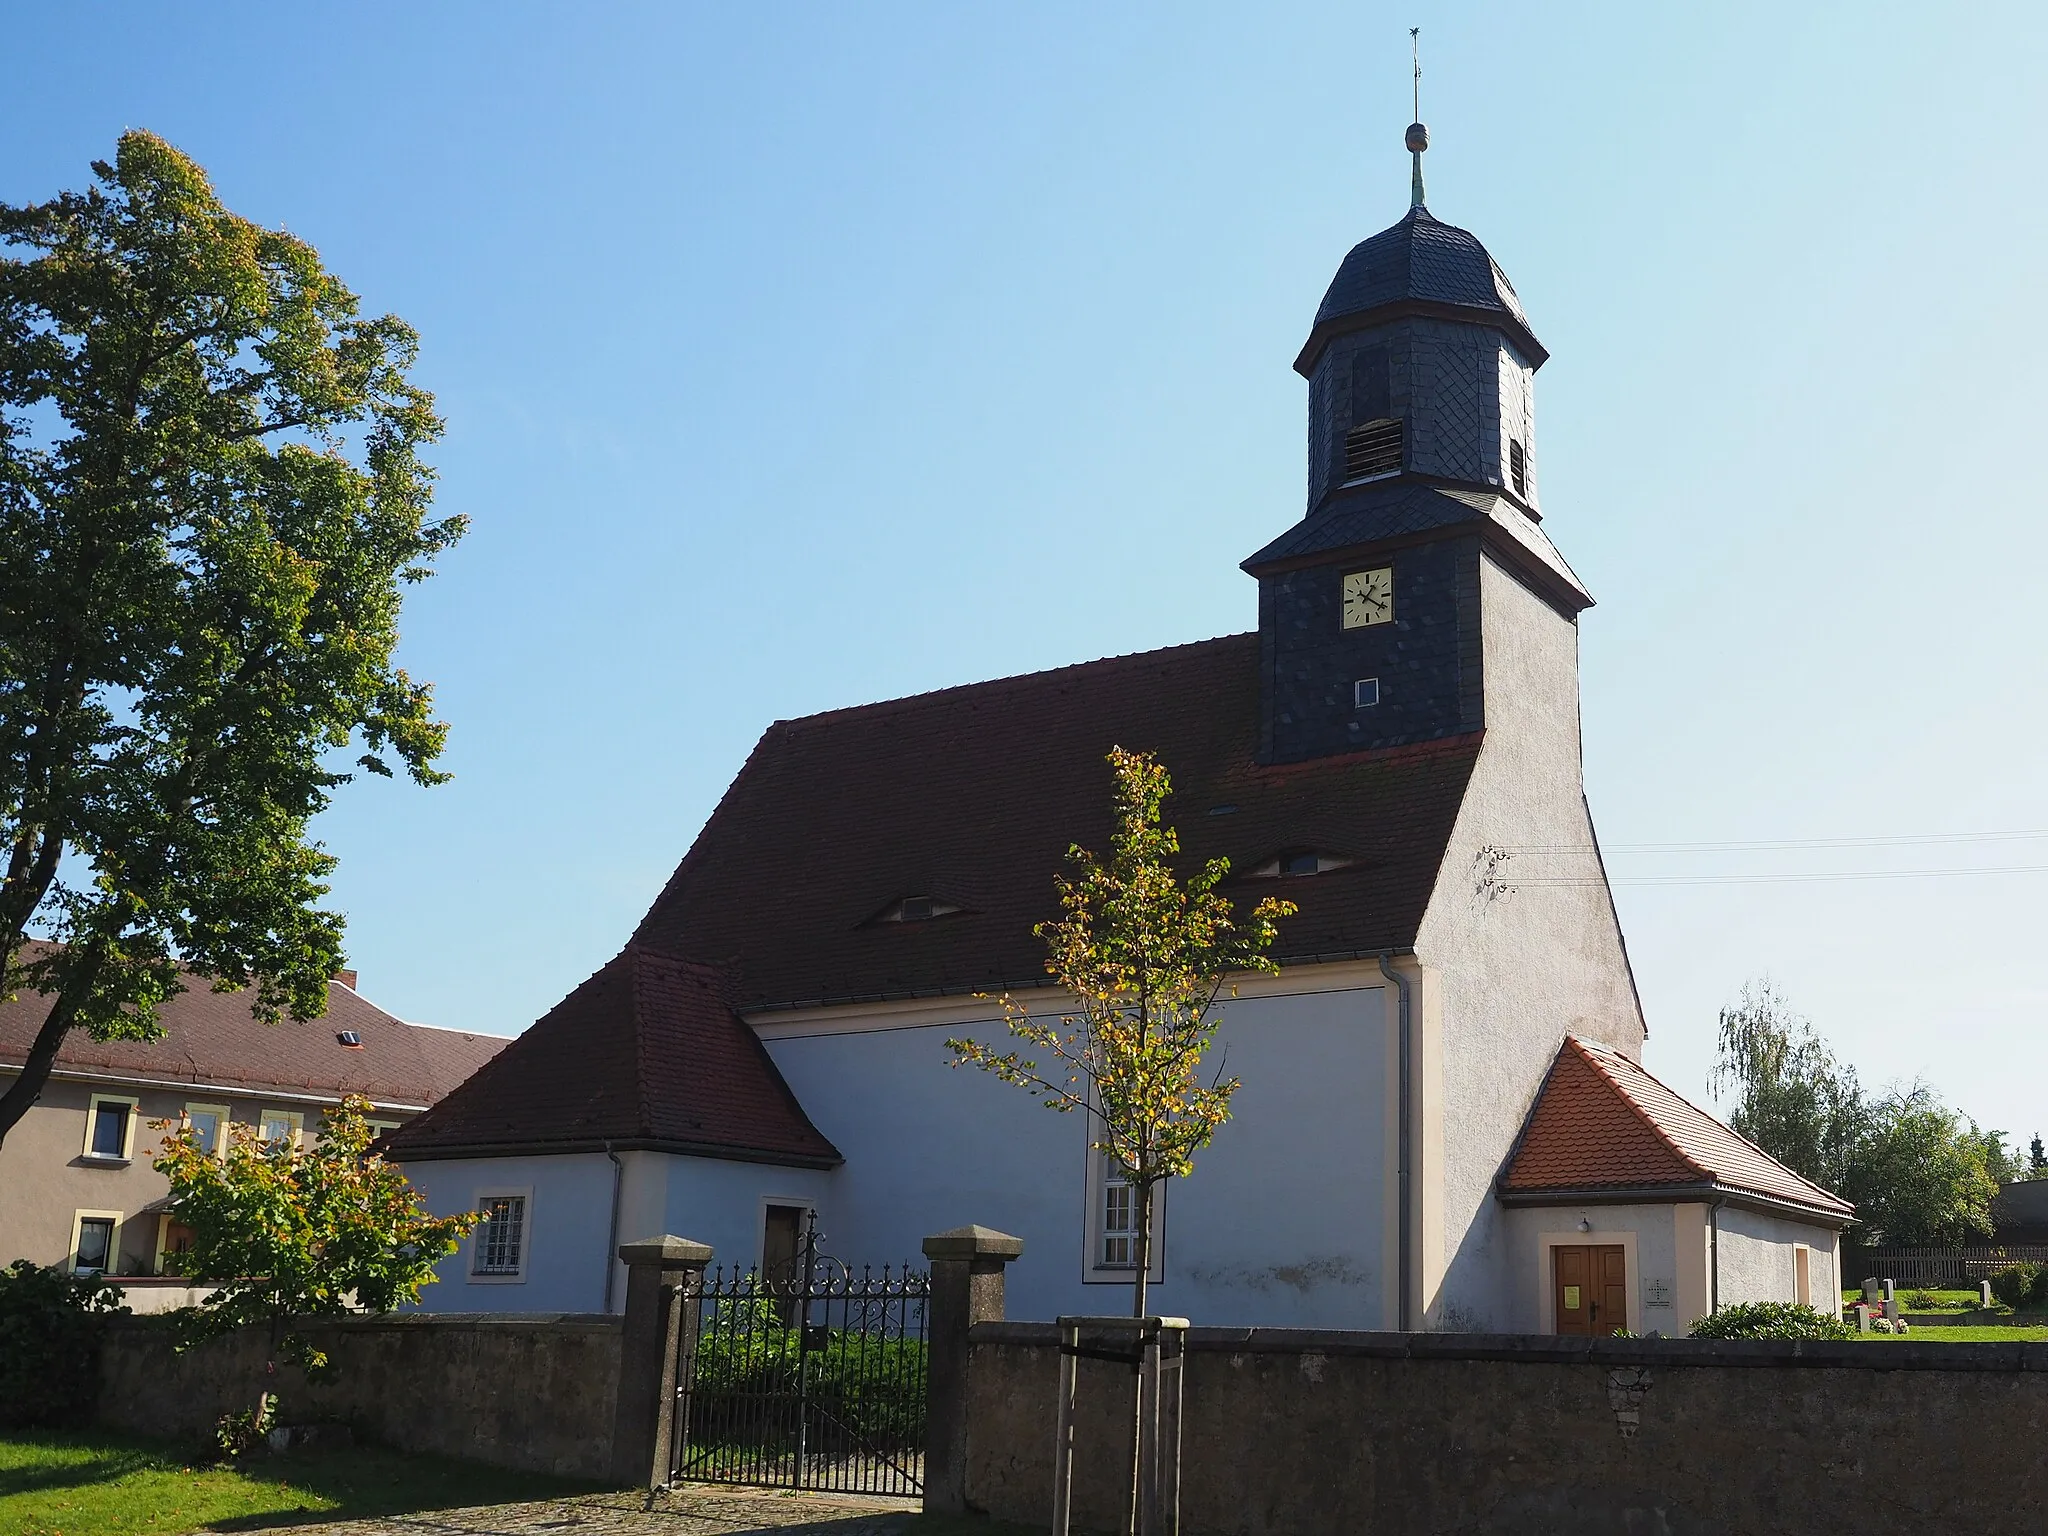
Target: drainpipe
column 1401, row 1161
column 1714, row 1253
column 611, row 1248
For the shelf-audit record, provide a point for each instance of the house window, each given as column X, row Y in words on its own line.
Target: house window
column 93, row 1245
column 1518, row 468
column 499, row 1251
column 1374, row 448
column 1802, row 1275
column 281, row 1127
column 109, row 1127
column 1365, row 693
column 174, row 1240
column 209, row 1127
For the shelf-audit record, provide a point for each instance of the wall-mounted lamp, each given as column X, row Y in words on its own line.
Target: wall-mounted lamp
column 1585, row 1225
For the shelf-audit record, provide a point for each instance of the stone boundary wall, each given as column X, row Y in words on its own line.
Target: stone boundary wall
column 1300, row 1431
column 536, row 1393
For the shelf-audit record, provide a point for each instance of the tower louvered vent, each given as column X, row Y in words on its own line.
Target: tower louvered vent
column 1518, row 467
column 1373, row 448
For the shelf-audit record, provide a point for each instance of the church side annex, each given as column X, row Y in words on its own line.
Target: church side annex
column 1444, row 1121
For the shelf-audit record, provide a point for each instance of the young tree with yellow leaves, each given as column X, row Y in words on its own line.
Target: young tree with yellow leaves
column 1146, row 958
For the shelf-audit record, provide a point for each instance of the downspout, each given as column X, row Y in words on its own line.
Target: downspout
column 611, row 1248
column 1714, row 1253
column 1401, row 1160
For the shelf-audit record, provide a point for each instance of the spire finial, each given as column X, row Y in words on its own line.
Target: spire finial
column 1417, row 136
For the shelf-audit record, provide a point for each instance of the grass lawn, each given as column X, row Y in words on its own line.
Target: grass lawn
column 55, row 1484
column 1961, row 1334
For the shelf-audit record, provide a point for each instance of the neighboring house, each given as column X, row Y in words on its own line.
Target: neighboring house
column 1395, row 748
column 76, row 1185
column 2019, row 1212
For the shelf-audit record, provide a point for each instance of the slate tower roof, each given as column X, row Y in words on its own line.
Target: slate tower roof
column 1419, row 266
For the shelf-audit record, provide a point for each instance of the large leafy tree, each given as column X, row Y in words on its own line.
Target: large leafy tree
column 211, row 497
column 1146, row 958
column 1917, row 1171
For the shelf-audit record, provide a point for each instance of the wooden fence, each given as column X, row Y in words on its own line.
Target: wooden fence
column 1937, row 1266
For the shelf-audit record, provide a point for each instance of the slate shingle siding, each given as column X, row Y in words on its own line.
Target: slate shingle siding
column 1426, row 660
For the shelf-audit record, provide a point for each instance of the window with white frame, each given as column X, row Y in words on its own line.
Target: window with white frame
column 209, row 1124
column 498, row 1250
column 109, row 1127
column 281, row 1127
column 1113, row 1223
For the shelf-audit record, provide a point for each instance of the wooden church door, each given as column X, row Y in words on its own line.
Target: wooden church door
column 1591, row 1288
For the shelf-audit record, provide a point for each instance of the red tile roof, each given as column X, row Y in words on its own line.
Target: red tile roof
column 972, row 795
column 646, row 1054
column 213, row 1038
column 1601, row 1122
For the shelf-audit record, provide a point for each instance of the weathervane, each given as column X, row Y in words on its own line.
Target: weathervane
column 1418, row 136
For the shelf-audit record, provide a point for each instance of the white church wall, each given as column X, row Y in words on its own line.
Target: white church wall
column 568, row 1221
column 1514, row 964
column 1280, row 1224
column 1757, row 1260
column 569, row 1213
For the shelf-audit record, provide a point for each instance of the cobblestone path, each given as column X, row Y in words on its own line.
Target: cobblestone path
column 696, row 1510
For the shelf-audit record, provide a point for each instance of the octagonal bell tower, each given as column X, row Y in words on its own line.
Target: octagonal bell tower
column 1421, row 453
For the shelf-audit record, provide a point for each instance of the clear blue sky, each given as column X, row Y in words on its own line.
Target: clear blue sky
column 797, row 356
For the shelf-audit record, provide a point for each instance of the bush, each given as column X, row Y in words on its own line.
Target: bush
column 2018, row 1284
column 49, row 1330
column 1770, row 1320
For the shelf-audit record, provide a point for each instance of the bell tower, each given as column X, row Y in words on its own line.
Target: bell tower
column 1421, row 456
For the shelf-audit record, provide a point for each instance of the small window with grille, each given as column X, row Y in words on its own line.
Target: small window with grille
column 1374, row 448
column 1518, row 468
column 499, row 1251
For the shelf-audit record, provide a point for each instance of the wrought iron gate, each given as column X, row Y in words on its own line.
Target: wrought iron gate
column 815, row 1378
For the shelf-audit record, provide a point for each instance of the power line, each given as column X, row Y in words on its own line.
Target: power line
column 1843, row 874
column 1766, row 845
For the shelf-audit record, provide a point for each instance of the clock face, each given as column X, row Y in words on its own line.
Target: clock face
column 1368, row 597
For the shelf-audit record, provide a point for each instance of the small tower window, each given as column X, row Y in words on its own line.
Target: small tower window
column 1374, row 448
column 1365, row 693
column 1518, row 467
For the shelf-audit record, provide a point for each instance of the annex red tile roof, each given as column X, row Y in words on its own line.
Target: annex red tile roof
column 972, row 795
column 646, row 1054
column 1601, row 1122
column 213, row 1038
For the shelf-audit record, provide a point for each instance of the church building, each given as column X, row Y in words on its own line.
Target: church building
column 1444, row 1120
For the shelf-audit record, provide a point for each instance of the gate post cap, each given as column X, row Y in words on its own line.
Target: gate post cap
column 669, row 1252
column 972, row 1242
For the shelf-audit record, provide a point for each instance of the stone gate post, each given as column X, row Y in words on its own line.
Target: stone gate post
column 968, row 1264
column 664, row 1282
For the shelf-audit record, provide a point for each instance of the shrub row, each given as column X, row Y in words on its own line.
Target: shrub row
column 49, row 1336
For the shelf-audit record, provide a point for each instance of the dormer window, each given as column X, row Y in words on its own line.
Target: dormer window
column 1374, row 448
column 1518, row 468
column 1296, row 862
column 917, row 909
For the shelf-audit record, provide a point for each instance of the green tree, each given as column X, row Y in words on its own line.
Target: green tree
column 1792, row 1097
column 286, row 1231
column 1917, row 1171
column 211, row 496
column 1146, row 958
column 1922, row 1173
